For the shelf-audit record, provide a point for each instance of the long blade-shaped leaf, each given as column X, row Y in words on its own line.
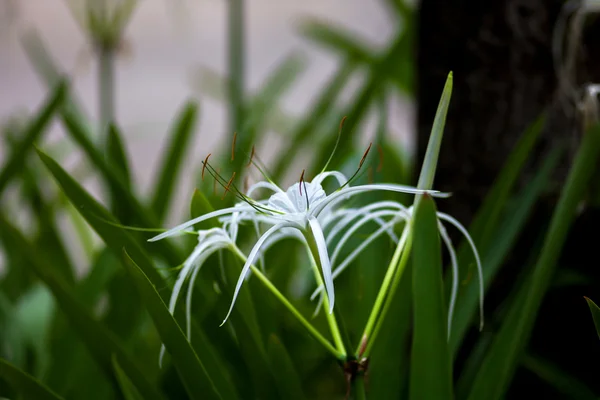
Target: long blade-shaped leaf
column 194, row 375
column 172, row 159
column 100, row 342
column 36, row 127
column 595, row 310
column 100, row 219
column 432, row 153
column 497, row 370
column 26, row 385
column 431, row 370
column 127, row 388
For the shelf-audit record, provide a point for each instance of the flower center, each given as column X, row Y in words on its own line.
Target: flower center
column 293, row 201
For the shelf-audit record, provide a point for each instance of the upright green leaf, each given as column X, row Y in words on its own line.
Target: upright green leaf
column 194, row 375
column 26, row 385
column 172, row 159
column 34, row 130
column 497, row 370
column 427, row 174
column 431, row 368
column 100, row 342
column 595, row 314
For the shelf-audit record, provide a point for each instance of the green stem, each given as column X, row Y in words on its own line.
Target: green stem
column 236, row 64
column 388, row 301
column 309, row 327
column 359, row 388
column 331, row 320
column 384, row 291
column 106, row 92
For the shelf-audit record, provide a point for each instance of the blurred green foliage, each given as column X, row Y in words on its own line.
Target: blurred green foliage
column 98, row 335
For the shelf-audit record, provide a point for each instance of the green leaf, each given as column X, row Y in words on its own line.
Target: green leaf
column 497, row 370
column 34, row 130
column 101, row 220
column 194, row 375
column 338, row 39
column 286, row 375
column 26, row 385
column 427, row 174
column 172, row 159
column 100, row 342
column 595, row 314
column 431, row 368
column 127, row 388
column 46, row 68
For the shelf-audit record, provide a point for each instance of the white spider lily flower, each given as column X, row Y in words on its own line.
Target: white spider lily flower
column 300, row 207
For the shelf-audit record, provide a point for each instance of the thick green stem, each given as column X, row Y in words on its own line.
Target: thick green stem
column 359, row 388
column 333, row 325
column 309, row 327
column 384, row 291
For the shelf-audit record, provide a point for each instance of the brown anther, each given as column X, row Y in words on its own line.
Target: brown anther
column 342, row 122
column 228, row 185
column 362, row 160
column 204, row 164
column 380, row 151
column 233, row 146
column 301, row 180
column 251, row 157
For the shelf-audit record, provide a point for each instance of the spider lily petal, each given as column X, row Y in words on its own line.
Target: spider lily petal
column 249, row 262
column 454, row 264
column 464, row 231
column 199, row 219
column 319, row 241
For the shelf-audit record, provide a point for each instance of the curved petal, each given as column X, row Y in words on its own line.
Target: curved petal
column 263, row 185
column 353, row 190
column 465, row 233
column 454, row 264
column 249, row 262
column 194, row 221
column 319, row 239
column 369, row 217
column 341, row 178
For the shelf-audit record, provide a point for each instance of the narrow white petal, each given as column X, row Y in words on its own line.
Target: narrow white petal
column 368, row 218
column 188, row 299
column 454, row 264
column 194, row 221
column 464, row 231
column 342, row 267
column 319, row 239
column 263, row 185
column 389, row 187
column 355, row 213
column 249, row 262
column 341, row 178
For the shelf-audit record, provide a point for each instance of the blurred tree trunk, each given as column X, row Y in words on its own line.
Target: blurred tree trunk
column 504, row 78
